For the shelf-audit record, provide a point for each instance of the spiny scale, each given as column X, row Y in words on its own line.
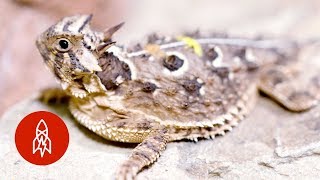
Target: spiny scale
column 165, row 90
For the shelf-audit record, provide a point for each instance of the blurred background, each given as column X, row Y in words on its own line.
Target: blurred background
column 22, row 71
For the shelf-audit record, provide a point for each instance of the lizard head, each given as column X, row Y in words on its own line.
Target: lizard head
column 70, row 48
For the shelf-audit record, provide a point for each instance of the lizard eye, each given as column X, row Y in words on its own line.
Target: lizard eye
column 63, row 45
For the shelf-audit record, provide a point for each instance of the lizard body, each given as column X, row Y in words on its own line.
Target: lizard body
column 195, row 87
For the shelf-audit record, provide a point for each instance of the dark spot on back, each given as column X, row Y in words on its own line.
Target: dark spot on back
column 149, row 87
column 211, row 54
column 112, row 67
column 192, row 86
column 173, row 62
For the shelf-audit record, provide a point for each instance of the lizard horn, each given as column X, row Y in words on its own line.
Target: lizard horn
column 110, row 31
column 103, row 47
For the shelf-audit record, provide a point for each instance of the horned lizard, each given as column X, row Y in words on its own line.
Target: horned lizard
column 170, row 89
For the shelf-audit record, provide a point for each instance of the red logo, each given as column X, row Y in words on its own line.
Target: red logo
column 42, row 138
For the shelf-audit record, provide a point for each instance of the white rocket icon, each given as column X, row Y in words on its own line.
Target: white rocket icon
column 42, row 142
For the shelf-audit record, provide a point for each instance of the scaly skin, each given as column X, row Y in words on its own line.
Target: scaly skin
column 197, row 87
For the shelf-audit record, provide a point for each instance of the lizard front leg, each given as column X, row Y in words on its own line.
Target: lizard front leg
column 143, row 155
column 53, row 95
column 58, row 95
column 279, row 84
